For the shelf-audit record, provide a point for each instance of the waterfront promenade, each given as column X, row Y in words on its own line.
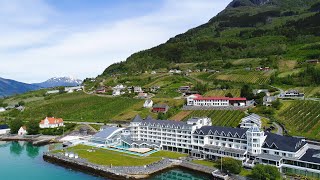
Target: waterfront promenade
column 121, row 172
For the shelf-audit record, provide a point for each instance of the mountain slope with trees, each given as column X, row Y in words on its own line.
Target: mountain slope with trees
column 245, row 29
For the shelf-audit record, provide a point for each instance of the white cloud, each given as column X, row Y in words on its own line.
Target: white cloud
column 38, row 53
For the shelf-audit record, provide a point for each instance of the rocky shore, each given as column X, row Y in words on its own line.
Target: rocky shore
column 123, row 172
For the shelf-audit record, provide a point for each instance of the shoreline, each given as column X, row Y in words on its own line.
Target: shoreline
column 38, row 140
column 115, row 174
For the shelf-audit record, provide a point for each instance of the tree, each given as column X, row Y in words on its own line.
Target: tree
column 276, row 104
column 15, row 125
column 21, row 103
column 231, row 165
column 229, row 95
column 33, row 127
column 246, row 91
column 265, row 172
column 61, row 90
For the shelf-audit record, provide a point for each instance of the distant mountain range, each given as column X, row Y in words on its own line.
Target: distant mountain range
column 59, row 81
column 10, row 87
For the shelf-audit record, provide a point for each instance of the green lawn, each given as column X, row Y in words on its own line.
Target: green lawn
column 107, row 157
column 168, row 154
column 206, row 163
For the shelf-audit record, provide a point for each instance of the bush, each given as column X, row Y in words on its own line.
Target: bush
column 265, row 172
column 230, row 165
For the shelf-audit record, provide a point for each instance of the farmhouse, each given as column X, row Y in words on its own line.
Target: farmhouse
column 4, row 129
column 250, row 121
column 51, row 122
column 268, row 100
column 101, row 90
column 148, row 103
column 137, row 89
column 154, row 88
column 160, row 108
column 22, row 131
column 291, row 94
column 143, row 95
column 198, row 100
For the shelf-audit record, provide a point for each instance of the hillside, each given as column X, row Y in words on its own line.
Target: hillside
column 245, row 29
column 10, row 87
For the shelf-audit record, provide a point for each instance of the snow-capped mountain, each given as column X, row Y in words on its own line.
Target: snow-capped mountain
column 60, row 81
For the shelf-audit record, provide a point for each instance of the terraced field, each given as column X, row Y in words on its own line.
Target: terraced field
column 301, row 118
column 221, row 93
column 249, row 77
column 220, row 117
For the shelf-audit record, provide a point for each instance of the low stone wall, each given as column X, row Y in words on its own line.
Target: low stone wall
column 197, row 167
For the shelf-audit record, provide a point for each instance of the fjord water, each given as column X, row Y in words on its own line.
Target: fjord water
column 21, row 161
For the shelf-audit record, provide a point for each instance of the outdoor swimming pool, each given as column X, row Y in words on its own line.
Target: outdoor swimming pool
column 122, row 149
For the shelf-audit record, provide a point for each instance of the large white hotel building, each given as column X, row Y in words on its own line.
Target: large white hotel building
column 201, row 140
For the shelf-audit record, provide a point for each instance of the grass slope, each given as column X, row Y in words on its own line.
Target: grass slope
column 301, row 118
column 220, row 117
column 78, row 107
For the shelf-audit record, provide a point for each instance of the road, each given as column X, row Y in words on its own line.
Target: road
column 279, row 128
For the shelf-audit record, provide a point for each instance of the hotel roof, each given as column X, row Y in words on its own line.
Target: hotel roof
column 4, row 126
column 312, row 155
column 284, row 143
column 150, row 121
column 222, row 131
column 105, row 133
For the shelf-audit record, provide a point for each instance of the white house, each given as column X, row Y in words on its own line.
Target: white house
column 22, row 131
column 116, row 92
column 4, row 129
column 267, row 100
column 148, row 103
column 2, row 109
column 249, row 121
column 291, row 94
column 51, row 122
column 137, row 89
column 153, row 72
column 198, row 100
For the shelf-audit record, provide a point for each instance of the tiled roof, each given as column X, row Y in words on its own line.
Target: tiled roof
column 52, row 120
column 160, row 106
column 220, row 98
column 284, row 143
column 222, row 131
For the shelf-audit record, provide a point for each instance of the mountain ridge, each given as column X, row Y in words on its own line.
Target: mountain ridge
column 59, row 81
column 254, row 29
column 10, row 87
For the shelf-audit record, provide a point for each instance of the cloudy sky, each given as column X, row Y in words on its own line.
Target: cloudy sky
column 40, row 39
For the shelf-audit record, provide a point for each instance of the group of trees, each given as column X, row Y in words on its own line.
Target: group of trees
column 32, row 126
column 259, row 172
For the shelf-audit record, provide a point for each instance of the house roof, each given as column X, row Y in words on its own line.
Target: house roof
column 23, row 127
column 269, row 98
column 151, row 121
column 52, row 120
column 284, row 143
column 105, row 133
column 137, row 118
column 222, row 131
column 4, row 126
column 160, row 106
column 252, row 117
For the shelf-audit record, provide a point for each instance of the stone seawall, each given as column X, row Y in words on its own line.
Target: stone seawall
column 123, row 172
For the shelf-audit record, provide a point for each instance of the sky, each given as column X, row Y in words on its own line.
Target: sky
column 40, row 39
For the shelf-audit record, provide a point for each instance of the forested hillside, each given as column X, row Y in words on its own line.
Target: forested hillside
column 288, row 29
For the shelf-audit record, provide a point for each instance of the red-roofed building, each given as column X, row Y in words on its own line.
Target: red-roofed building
column 51, row 122
column 198, row 100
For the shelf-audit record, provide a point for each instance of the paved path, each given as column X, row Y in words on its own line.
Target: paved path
column 279, row 128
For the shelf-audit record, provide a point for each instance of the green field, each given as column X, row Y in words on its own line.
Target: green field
column 107, row 157
column 251, row 77
column 77, row 107
column 220, row 117
column 301, row 118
